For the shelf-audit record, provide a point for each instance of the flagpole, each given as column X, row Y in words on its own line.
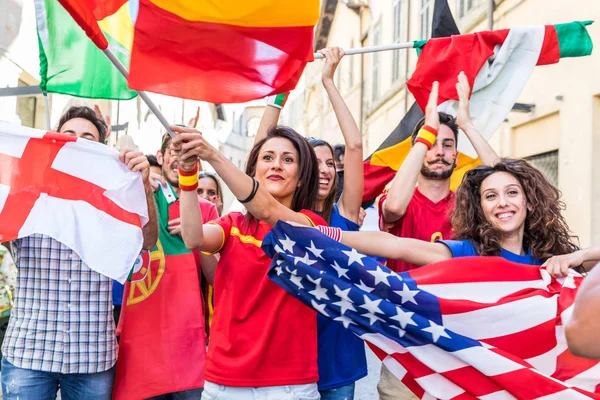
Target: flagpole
column 47, row 107
column 141, row 93
column 373, row 49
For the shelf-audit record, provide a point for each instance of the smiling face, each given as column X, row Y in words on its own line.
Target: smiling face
column 440, row 160
column 277, row 169
column 81, row 128
column 503, row 202
column 169, row 166
column 327, row 171
column 207, row 189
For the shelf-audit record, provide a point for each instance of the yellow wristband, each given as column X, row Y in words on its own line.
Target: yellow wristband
column 426, row 135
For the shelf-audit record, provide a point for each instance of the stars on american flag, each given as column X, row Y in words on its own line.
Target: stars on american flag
column 403, row 317
column 354, row 256
column 306, row 260
column 316, row 252
column 320, row 307
column 345, row 302
column 407, row 294
column 380, row 275
column 436, row 331
column 288, row 244
column 340, row 271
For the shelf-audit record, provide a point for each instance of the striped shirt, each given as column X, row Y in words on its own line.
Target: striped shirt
column 62, row 319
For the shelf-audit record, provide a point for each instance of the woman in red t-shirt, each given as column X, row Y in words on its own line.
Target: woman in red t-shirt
column 262, row 339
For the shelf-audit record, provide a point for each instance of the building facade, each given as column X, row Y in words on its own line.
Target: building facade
column 556, row 127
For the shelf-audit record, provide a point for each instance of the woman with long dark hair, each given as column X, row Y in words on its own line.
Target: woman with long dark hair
column 342, row 359
column 263, row 341
column 509, row 210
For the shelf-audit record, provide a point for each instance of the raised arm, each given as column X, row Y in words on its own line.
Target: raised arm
column 403, row 185
column 270, row 116
column 583, row 327
column 137, row 162
column 486, row 154
column 351, row 198
column 191, row 144
column 386, row 245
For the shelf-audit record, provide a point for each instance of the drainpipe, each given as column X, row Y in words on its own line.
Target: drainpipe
column 406, row 64
column 490, row 14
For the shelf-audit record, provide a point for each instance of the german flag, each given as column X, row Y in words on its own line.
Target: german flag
column 382, row 165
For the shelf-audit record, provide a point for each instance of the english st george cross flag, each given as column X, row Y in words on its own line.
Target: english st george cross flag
column 473, row 327
column 74, row 190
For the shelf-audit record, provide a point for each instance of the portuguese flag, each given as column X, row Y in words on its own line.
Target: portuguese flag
column 70, row 63
column 498, row 64
column 162, row 345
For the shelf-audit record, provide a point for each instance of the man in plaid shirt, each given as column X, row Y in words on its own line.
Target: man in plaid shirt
column 61, row 332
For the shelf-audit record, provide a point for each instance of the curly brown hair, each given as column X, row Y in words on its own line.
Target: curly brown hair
column 546, row 231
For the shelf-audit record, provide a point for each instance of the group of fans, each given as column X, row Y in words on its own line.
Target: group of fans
column 262, row 342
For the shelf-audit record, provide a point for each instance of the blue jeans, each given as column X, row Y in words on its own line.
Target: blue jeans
column 340, row 393
column 26, row 384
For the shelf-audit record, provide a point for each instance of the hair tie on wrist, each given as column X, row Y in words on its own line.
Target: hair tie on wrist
column 252, row 194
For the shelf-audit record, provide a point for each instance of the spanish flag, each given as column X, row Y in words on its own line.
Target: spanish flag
column 224, row 51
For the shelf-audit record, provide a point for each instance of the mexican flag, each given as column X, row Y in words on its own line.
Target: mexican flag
column 498, row 64
column 70, row 63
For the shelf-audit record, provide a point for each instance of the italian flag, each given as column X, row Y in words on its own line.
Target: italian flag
column 70, row 63
column 497, row 64
column 74, row 190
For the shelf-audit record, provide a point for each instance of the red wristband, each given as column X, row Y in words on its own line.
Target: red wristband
column 188, row 180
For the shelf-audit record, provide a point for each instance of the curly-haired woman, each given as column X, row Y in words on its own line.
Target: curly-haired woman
column 509, row 210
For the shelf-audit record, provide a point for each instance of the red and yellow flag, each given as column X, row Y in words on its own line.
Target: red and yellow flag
column 221, row 52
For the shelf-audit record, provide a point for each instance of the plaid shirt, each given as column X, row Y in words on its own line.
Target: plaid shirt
column 62, row 319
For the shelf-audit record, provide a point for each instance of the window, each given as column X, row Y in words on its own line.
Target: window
column 397, row 32
column 426, row 17
column 547, row 163
column 464, row 6
column 375, row 58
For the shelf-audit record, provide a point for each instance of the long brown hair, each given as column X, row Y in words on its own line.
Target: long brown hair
column 546, row 231
column 305, row 196
column 330, row 199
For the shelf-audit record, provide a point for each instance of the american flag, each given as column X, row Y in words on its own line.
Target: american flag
column 466, row 328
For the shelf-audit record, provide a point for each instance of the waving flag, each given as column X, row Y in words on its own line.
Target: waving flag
column 70, row 63
column 382, row 165
column 475, row 327
column 74, row 190
column 223, row 51
column 498, row 64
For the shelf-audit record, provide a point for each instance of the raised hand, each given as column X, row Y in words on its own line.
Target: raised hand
column 464, row 115
column 333, row 56
column 136, row 161
column 191, row 146
column 194, row 120
column 106, row 118
column 432, row 118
